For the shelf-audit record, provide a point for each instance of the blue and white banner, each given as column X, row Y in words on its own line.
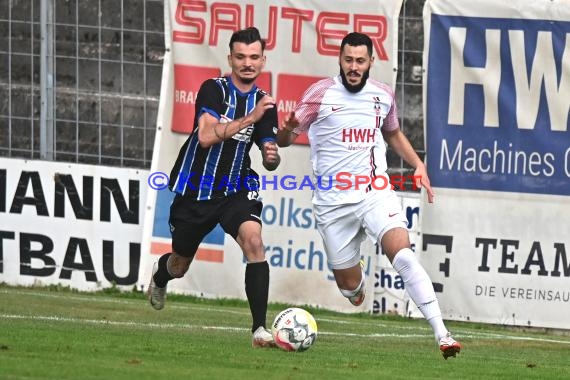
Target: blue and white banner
column 497, row 102
column 498, row 94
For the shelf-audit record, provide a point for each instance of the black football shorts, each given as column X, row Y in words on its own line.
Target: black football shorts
column 191, row 220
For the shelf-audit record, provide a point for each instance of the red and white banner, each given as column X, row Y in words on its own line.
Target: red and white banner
column 303, row 41
column 497, row 102
column 302, row 45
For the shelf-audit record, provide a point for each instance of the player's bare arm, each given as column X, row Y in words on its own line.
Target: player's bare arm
column 401, row 145
column 271, row 158
column 285, row 135
column 211, row 131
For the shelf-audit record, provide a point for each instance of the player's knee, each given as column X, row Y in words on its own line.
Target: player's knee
column 253, row 245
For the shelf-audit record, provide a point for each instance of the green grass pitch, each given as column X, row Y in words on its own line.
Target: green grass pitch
column 54, row 333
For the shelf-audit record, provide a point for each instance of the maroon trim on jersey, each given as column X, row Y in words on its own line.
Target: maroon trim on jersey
column 373, row 168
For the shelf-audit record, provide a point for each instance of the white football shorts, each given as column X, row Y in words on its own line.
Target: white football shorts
column 344, row 227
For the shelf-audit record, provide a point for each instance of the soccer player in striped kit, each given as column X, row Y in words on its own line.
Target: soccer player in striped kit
column 214, row 182
column 349, row 118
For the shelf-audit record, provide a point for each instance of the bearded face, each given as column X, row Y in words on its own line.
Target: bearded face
column 349, row 85
column 355, row 63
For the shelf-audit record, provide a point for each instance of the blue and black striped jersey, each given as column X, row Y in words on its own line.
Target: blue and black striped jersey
column 224, row 168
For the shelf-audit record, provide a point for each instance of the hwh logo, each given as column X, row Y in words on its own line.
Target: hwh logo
column 359, row 135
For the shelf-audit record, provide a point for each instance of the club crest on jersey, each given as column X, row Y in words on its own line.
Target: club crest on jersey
column 377, row 105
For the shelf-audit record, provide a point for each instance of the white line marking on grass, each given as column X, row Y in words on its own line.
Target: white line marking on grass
column 241, row 329
column 459, row 333
column 55, row 318
column 68, row 296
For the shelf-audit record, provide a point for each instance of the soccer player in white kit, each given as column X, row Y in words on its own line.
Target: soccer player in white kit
column 349, row 118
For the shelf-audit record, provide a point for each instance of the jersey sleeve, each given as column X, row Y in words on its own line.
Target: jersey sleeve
column 391, row 122
column 266, row 127
column 209, row 99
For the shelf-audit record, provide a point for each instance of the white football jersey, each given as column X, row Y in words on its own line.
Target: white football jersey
column 345, row 137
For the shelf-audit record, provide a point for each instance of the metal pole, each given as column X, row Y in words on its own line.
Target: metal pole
column 46, row 80
column 10, row 79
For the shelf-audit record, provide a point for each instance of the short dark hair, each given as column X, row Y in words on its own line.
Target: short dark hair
column 247, row 36
column 357, row 39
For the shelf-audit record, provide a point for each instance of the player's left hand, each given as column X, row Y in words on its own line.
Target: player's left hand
column 270, row 155
column 270, row 151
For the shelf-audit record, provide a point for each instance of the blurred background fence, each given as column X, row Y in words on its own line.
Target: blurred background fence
column 80, row 80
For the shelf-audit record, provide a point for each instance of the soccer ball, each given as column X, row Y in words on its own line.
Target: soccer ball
column 294, row 329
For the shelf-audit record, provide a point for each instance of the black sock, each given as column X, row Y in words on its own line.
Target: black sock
column 161, row 277
column 257, row 290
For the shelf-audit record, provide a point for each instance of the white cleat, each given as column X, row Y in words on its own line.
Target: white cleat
column 358, row 298
column 262, row 338
column 449, row 346
column 156, row 295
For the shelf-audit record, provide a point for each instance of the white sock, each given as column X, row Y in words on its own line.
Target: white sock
column 419, row 287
